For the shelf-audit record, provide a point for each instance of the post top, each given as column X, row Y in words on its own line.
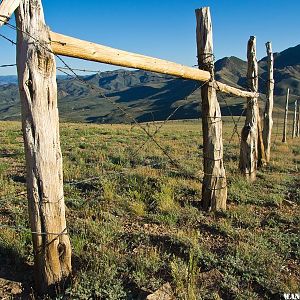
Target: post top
column 269, row 46
column 201, row 9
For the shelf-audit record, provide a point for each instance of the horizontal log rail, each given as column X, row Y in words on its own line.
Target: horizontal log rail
column 7, row 7
column 72, row 47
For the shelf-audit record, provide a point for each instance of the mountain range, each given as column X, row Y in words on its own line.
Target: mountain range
column 148, row 96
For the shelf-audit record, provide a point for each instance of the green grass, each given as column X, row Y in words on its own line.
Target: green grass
column 136, row 224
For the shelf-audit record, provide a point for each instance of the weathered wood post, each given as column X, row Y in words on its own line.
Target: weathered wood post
column 249, row 136
column 295, row 120
column 285, row 116
column 261, row 155
column 214, row 187
column 298, row 121
column 268, row 113
column 38, row 92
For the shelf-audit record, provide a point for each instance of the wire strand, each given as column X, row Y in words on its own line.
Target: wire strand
column 173, row 161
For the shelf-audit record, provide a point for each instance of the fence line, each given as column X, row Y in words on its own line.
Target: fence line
column 57, row 44
column 123, row 110
column 80, row 70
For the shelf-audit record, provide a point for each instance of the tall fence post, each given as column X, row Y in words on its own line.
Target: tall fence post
column 268, row 113
column 261, row 155
column 214, row 187
column 249, row 136
column 298, row 121
column 40, row 123
column 295, row 120
column 285, row 116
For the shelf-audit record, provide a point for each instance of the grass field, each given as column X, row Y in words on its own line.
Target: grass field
column 134, row 221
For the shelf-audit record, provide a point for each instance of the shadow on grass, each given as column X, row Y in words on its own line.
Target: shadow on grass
column 16, row 274
column 164, row 242
column 14, row 269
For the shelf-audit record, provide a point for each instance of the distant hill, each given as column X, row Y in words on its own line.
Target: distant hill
column 8, row 79
column 150, row 96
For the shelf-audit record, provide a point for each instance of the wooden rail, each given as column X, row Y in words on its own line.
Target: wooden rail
column 7, row 7
column 72, row 47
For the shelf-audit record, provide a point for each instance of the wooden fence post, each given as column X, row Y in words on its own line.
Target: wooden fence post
column 268, row 118
column 214, row 187
column 249, row 136
column 295, row 120
column 40, row 123
column 261, row 155
column 298, row 121
column 285, row 116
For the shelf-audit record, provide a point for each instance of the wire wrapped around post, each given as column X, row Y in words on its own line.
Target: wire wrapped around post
column 250, row 131
column 214, row 185
column 40, row 123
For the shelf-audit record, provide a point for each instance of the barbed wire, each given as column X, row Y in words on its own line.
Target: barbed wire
column 8, row 39
column 19, row 228
column 120, row 108
column 22, row 228
column 236, row 123
column 80, row 70
column 9, row 65
column 58, row 68
column 16, row 228
column 65, row 73
column 150, row 137
column 173, row 161
column 185, row 101
column 277, row 131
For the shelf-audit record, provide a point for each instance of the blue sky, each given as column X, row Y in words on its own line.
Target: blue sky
column 166, row 28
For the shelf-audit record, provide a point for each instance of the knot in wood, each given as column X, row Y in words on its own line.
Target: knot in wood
column 61, row 248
